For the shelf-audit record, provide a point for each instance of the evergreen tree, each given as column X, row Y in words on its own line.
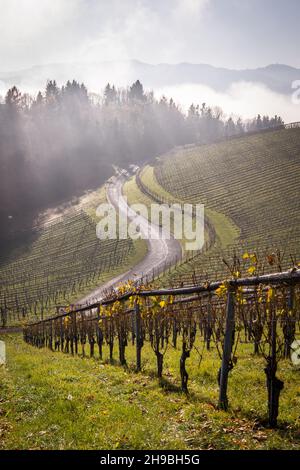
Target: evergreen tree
column 136, row 92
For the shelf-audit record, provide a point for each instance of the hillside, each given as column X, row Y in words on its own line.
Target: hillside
column 250, row 188
column 256, row 211
column 63, row 261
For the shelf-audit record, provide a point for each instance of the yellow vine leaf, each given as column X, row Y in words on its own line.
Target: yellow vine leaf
column 222, row 290
column 270, row 294
column 253, row 258
column 251, row 270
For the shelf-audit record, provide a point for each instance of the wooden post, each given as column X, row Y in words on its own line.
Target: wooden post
column 227, row 350
column 274, row 385
column 72, row 333
column 75, row 334
column 51, row 336
column 133, row 327
column 43, row 339
column 209, row 324
column 138, row 337
column 61, row 334
column 99, row 333
column 290, row 326
column 291, row 297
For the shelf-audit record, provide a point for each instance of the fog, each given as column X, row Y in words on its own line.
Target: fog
column 61, row 142
column 243, row 99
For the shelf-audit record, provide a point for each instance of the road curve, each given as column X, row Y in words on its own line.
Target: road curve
column 160, row 253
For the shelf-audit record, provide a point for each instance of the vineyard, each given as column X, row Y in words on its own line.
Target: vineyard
column 63, row 262
column 258, row 207
column 219, row 329
column 261, row 194
column 262, row 310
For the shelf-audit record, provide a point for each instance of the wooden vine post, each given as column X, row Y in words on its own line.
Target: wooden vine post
column 99, row 333
column 289, row 329
column 75, row 333
column 208, row 332
column 122, row 337
column 227, row 350
column 72, row 317
column 138, row 336
column 274, row 385
column 51, row 336
column 61, row 334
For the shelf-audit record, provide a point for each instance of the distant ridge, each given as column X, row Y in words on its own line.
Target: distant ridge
column 276, row 77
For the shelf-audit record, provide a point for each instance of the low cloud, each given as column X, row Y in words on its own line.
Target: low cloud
column 243, row 99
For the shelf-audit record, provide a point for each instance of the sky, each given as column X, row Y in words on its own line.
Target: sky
column 230, row 33
column 235, row 34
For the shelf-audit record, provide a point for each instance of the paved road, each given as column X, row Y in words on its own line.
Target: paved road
column 161, row 253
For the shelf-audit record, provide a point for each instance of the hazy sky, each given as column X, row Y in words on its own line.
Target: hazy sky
column 230, row 33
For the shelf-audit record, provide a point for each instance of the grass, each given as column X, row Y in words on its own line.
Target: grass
column 149, row 179
column 136, row 196
column 54, row 401
column 226, row 230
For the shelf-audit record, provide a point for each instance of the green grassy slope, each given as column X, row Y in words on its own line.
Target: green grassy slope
column 55, row 401
column 225, row 230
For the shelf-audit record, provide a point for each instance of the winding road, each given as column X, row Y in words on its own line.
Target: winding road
column 160, row 253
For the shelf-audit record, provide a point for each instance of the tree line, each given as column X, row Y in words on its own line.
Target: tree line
column 65, row 140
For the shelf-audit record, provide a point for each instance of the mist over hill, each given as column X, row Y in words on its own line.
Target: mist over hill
column 62, row 142
column 276, row 77
column 235, row 91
